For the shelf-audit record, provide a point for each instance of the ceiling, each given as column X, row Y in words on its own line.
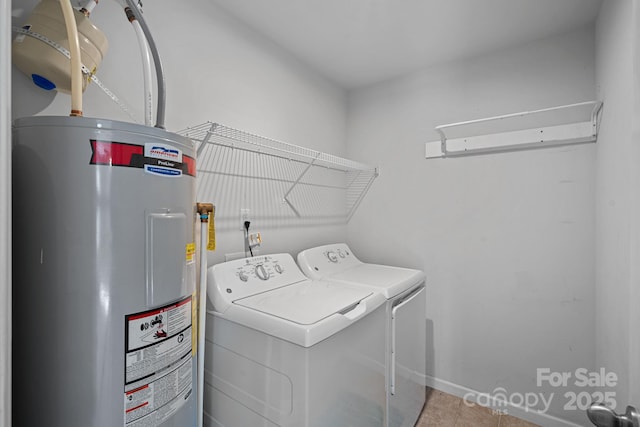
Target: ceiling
column 360, row 42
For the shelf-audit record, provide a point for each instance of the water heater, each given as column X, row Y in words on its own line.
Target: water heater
column 104, row 325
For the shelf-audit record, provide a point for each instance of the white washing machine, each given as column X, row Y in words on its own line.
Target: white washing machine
column 283, row 350
column 404, row 291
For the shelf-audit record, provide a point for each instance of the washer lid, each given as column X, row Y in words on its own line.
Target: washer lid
column 307, row 302
column 388, row 280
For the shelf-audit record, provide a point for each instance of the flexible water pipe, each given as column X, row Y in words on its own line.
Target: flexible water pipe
column 206, row 211
column 158, row 64
column 146, row 67
column 146, row 70
column 202, row 302
column 74, row 49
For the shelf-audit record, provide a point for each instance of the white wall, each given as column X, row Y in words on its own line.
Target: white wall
column 216, row 70
column 506, row 240
column 617, row 206
column 5, row 215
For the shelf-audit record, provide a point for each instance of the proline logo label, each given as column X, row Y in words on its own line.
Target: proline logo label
column 162, row 151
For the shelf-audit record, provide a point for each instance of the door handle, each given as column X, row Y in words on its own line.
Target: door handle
column 602, row 416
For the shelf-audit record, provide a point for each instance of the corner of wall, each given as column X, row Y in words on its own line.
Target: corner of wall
column 5, row 213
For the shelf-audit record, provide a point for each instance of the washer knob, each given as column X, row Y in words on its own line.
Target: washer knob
column 332, row 256
column 278, row 268
column 342, row 255
column 262, row 272
column 243, row 276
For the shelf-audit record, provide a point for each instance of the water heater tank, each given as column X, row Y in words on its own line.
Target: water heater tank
column 104, row 321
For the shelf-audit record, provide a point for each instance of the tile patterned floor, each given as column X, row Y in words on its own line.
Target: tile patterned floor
column 444, row 410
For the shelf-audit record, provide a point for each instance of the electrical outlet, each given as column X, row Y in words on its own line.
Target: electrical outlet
column 255, row 239
column 244, row 216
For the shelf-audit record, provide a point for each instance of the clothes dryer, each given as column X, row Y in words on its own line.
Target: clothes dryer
column 283, row 350
column 405, row 329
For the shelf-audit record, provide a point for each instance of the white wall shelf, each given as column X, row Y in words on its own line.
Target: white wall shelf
column 277, row 181
column 548, row 127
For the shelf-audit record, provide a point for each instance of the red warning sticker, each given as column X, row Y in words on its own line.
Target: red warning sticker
column 111, row 153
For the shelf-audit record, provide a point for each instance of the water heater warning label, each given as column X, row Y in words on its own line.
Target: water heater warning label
column 158, row 363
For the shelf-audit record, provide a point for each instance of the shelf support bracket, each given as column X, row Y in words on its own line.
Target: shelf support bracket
column 297, row 181
column 206, row 138
column 364, row 191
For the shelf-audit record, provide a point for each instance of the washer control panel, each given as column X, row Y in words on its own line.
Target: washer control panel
column 323, row 260
column 337, row 254
column 262, row 268
column 237, row 279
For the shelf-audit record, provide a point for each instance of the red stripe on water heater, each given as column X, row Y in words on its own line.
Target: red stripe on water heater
column 115, row 153
column 190, row 162
column 111, row 153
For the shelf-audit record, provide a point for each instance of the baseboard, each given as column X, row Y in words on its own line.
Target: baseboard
column 535, row 417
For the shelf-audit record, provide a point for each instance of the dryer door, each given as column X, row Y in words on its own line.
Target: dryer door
column 408, row 359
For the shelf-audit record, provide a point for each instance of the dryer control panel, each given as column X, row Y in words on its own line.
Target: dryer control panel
column 241, row 278
column 321, row 261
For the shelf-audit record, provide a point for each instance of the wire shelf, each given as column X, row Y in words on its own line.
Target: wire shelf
column 281, row 183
